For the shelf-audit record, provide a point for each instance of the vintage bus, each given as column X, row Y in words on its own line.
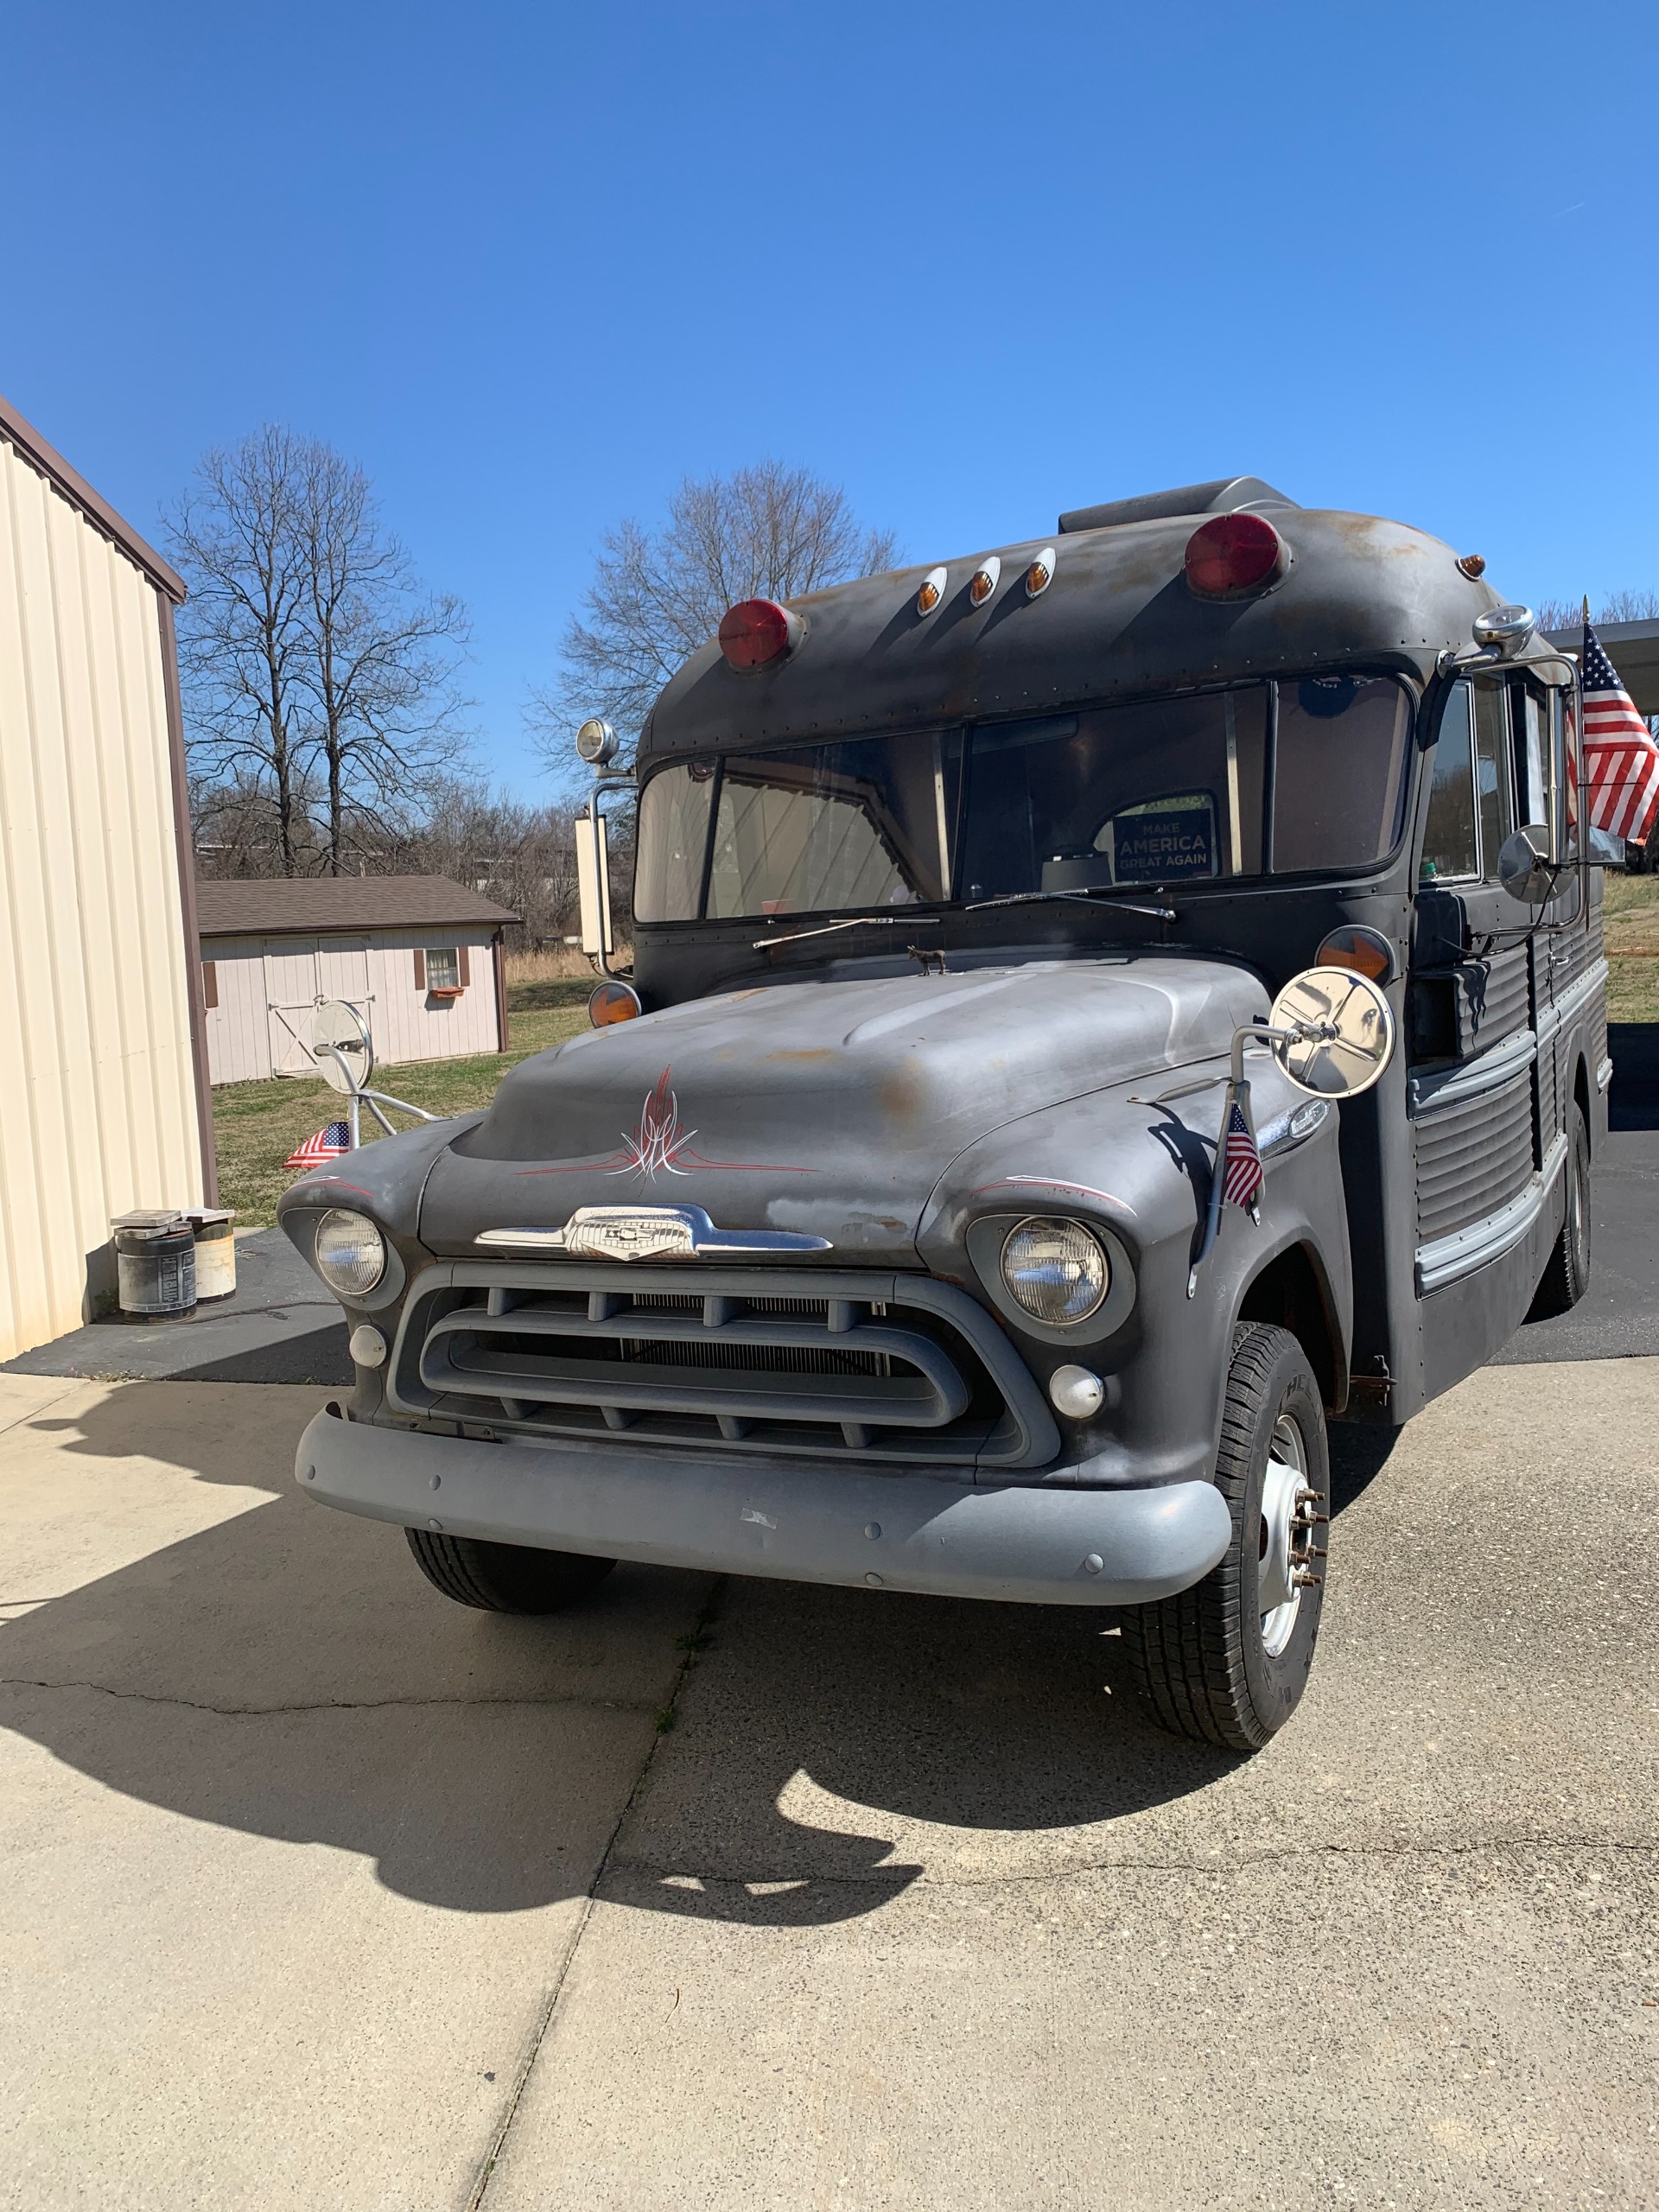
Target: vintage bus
column 1099, row 1011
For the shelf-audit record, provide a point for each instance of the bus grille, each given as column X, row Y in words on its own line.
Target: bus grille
column 867, row 1367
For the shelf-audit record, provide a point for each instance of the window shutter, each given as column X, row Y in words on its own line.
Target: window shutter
column 466, row 970
column 420, row 968
column 210, row 982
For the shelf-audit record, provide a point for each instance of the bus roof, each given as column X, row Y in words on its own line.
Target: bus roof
column 1118, row 620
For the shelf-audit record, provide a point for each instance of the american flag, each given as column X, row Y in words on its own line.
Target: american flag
column 1621, row 760
column 330, row 1143
column 1241, row 1163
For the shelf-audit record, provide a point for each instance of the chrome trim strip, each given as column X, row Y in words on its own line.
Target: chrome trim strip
column 1439, row 1092
column 1448, row 1259
column 1604, row 1075
column 647, row 1233
column 1293, row 1127
column 1572, row 1003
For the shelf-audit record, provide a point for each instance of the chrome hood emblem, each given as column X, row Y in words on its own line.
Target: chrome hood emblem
column 649, row 1233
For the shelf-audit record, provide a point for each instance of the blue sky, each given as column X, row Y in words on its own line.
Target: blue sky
column 976, row 262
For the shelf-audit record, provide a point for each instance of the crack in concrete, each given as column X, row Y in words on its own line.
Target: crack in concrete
column 326, row 1705
column 544, row 2022
column 909, row 1876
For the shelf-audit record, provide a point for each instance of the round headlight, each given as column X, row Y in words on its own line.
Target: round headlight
column 350, row 1252
column 1056, row 1270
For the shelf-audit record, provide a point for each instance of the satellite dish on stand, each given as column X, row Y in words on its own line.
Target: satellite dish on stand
column 340, row 1043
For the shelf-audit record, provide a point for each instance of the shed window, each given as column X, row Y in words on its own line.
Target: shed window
column 443, row 969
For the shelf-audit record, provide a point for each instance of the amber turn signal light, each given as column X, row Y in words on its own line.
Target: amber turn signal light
column 1041, row 574
column 1367, row 951
column 612, row 1001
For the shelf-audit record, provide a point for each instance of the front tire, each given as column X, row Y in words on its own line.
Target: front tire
column 1227, row 1661
column 504, row 1578
column 1566, row 1277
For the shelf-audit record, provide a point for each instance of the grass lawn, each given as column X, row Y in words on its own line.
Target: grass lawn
column 1631, row 915
column 257, row 1125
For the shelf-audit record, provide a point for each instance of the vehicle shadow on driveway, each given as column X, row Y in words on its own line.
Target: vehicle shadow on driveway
column 288, row 1672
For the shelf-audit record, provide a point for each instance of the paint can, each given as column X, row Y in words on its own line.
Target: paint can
column 215, row 1253
column 156, row 1266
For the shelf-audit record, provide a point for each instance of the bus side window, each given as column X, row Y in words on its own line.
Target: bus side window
column 1450, row 851
column 1492, row 775
column 1527, row 714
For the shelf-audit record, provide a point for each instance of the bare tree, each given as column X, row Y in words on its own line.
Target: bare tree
column 240, row 831
column 1618, row 607
column 524, row 856
column 379, row 662
column 319, row 673
column 766, row 532
column 236, row 536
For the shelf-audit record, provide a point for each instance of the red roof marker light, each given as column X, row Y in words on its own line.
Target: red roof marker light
column 757, row 631
column 1232, row 554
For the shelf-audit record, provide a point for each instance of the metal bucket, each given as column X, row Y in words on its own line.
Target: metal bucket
column 215, row 1253
column 156, row 1266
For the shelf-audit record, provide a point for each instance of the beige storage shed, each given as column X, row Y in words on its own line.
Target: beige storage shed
column 419, row 957
column 103, row 1080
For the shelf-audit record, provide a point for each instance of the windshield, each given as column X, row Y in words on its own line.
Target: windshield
column 1260, row 778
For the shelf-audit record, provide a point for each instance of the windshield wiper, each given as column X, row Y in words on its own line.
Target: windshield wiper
column 908, row 921
column 1084, row 897
column 910, row 917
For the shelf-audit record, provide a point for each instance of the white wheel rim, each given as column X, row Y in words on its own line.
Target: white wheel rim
column 1284, row 1532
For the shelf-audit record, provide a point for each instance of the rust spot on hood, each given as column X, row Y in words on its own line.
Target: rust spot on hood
column 903, row 1093
column 805, row 1052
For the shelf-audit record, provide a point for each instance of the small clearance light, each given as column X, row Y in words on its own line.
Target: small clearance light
column 757, row 631
column 368, row 1346
column 982, row 582
column 932, row 591
column 612, row 1001
column 1473, row 566
column 1232, row 555
column 1041, row 574
column 1366, row 952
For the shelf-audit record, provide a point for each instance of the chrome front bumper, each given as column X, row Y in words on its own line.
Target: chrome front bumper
column 902, row 1530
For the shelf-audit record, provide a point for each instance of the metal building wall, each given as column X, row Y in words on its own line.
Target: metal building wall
column 98, row 1081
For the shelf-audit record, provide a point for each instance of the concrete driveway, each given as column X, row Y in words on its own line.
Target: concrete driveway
column 321, row 1892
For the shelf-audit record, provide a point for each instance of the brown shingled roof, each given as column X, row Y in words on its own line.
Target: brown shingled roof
column 318, row 904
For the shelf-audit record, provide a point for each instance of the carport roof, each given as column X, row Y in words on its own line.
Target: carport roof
column 1633, row 648
column 316, row 905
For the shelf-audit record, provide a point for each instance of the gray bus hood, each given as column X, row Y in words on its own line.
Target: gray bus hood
column 827, row 1109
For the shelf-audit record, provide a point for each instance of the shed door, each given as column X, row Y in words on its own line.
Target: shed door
column 291, row 991
column 343, row 970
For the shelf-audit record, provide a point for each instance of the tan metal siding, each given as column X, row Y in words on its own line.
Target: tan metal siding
column 96, row 1081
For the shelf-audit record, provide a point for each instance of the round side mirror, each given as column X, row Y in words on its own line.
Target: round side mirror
column 1338, row 1032
column 1523, row 868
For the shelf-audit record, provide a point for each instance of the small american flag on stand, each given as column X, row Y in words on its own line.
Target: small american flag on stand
column 331, row 1142
column 1241, row 1163
column 1621, row 761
